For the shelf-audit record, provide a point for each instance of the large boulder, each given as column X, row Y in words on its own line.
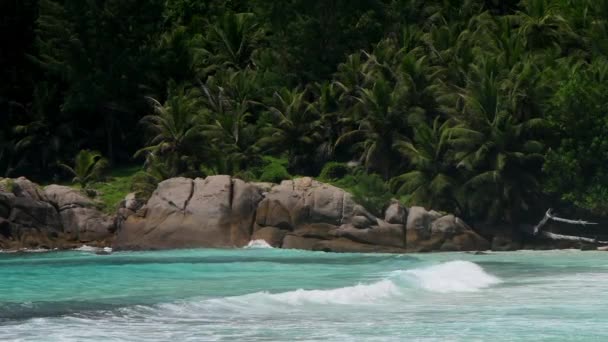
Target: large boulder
column 386, row 234
column 217, row 211
column 22, row 187
column 396, row 213
column 449, row 225
column 430, row 231
column 344, row 245
column 87, row 224
column 64, row 197
column 419, row 219
column 297, row 242
column 302, row 201
column 29, row 213
column 27, row 222
column 80, row 218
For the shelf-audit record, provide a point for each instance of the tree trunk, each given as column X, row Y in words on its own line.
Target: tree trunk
column 552, row 236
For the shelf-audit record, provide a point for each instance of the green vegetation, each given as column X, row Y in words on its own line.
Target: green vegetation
column 482, row 108
column 89, row 166
column 369, row 190
column 274, row 170
column 118, row 184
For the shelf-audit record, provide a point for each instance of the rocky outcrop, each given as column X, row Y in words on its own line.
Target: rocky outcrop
column 217, row 211
column 55, row 217
column 80, row 218
column 220, row 211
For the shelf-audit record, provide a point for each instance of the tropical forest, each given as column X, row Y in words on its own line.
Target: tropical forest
column 489, row 109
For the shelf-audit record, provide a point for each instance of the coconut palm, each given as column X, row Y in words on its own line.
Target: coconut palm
column 497, row 151
column 382, row 124
column 229, row 129
column 431, row 181
column 231, row 41
column 295, row 129
column 541, row 24
column 88, row 166
column 175, row 131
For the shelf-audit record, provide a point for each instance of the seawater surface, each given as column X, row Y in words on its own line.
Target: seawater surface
column 263, row 294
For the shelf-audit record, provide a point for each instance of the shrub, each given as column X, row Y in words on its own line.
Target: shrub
column 334, row 171
column 6, row 184
column 274, row 170
column 369, row 190
column 89, row 166
column 143, row 184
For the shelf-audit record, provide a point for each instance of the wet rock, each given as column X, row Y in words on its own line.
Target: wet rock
column 298, row 242
column 272, row 235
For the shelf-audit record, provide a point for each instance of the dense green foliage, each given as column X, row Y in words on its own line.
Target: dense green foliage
column 479, row 107
column 89, row 166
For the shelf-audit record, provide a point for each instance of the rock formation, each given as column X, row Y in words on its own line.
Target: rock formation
column 217, row 211
column 55, row 217
column 220, row 211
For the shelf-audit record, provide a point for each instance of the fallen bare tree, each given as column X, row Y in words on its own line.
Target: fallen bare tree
column 549, row 216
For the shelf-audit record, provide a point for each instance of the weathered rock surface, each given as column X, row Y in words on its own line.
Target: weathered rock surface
column 220, row 211
column 395, row 213
column 56, row 217
column 217, row 211
column 272, row 235
column 79, row 216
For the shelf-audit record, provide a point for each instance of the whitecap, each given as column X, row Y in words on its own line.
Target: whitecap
column 358, row 294
column 258, row 244
column 87, row 248
column 452, row 276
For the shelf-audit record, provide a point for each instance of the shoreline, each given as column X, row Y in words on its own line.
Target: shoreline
column 225, row 212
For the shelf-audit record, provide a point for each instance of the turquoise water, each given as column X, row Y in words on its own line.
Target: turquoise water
column 287, row 295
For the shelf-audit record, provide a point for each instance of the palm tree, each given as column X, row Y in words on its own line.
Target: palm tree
column 328, row 106
column 382, row 124
column 498, row 151
column 430, row 182
column 541, row 24
column 232, row 40
column 176, row 129
column 295, row 130
column 233, row 137
column 88, row 166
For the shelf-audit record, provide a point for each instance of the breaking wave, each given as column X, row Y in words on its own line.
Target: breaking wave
column 452, row 276
column 87, row 248
column 258, row 244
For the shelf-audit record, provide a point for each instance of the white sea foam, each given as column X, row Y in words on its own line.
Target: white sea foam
column 258, row 244
column 87, row 248
column 358, row 294
column 452, row 276
column 36, row 250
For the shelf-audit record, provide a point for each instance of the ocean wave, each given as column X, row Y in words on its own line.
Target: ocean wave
column 357, row 294
column 452, row 276
column 258, row 244
column 27, row 250
column 87, row 248
column 397, row 286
